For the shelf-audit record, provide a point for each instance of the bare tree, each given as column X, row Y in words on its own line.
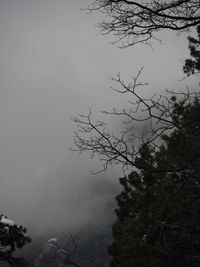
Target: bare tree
column 122, row 148
column 66, row 255
column 57, row 254
column 138, row 21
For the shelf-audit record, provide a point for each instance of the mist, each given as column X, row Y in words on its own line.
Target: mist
column 53, row 65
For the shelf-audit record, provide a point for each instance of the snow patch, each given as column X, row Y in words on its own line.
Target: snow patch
column 52, row 240
column 4, row 220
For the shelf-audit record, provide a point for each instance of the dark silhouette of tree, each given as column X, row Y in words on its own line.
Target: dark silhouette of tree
column 155, row 113
column 139, row 21
column 192, row 66
column 158, row 214
column 12, row 237
column 121, row 148
column 158, row 211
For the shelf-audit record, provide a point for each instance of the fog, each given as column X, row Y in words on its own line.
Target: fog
column 53, row 65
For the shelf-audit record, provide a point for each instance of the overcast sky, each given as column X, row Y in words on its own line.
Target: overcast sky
column 53, row 64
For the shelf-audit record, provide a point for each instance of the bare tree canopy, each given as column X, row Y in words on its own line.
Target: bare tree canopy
column 138, row 21
column 113, row 148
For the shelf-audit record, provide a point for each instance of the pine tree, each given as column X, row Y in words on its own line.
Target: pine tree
column 12, row 237
column 158, row 214
column 192, row 65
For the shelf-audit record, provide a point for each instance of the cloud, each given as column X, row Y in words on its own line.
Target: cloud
column 53, row 65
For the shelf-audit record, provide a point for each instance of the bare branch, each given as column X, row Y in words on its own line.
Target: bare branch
column 122, row 148
column 138, row 21
column 63, row 256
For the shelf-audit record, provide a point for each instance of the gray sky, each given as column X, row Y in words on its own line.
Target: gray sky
column 53, row 64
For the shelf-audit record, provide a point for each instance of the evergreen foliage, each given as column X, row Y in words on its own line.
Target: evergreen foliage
column 158, row 220
column 12, row 237
column 158, row 213
column 192, row 66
